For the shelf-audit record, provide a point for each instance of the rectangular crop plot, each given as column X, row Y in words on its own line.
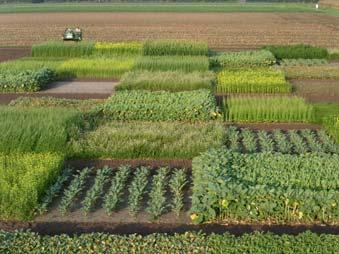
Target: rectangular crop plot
column 23, row 180
column 252, row 81
column 263, row 187
column 196, row 105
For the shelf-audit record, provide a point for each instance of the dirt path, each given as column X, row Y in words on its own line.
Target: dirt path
column 220, row 30
column 79, row 87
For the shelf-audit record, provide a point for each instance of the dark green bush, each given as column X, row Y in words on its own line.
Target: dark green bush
column 262, row 187
column 297, row 51
column 26, row 81
column 258, row 243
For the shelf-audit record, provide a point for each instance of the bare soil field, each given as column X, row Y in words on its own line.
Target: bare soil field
column 317, row 90
column 220, row 30
column 7, row 54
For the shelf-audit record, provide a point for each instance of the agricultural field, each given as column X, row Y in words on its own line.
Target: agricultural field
column 190, row 138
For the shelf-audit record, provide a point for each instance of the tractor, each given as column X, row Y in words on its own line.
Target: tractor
column 72, row 34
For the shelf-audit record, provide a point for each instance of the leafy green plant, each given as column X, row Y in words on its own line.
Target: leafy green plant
column 157, row 195
column 312, row 141
column 172, row 47
column 283, row 145
column 75, row 187
column 299, row 145
column 252, row 81
column 177, row 184
column 265, row 141
column 232, row 138
column 172, row 81
column 53, row 191
column 172, row 63
column 244, row 59
column 96, row 191
column 268, row 109
column 26, row 81
column 24, row 177
column 280, row 188
column 161, row 106
column 114, row 195
column 297, row 51
column 249, row 140
column 328, row 142
column 137, row 189
column 126, row 140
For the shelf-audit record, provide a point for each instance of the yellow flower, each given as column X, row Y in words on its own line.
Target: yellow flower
column 224, row 203
column 194, row 216
column 300, row 215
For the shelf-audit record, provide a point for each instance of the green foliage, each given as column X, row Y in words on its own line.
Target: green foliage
column 23, row 180
column 112, row 68
column 53, row 191
column 53, row 102
column 297, row 51
column 334, row 54
column 177, row 184
column 157, row 195
column 115, row 194
column 126, row 140
column 137, row 189
column 76, row 186
column 37, row 129
column 96, row 191
column 26, row 81
column 252, row 81
column 196, row 105
column 244, row 59
column 172, row 63
column 172, row 81
column 61, row 49
column 268, row 109
column 263, row 243
column 30, row 63
column 331, row 124
column 170, row 47
column 118, row 48
column 265, row 187
column 312, row 72
column 303, row 62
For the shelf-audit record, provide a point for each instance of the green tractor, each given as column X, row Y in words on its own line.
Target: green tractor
column 72, row 34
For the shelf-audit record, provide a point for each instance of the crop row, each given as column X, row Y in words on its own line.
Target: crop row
column 152, row 48
column 162, row 191
column 264, row 243
column 252, row 81
column 262, row 187
column 292, row 141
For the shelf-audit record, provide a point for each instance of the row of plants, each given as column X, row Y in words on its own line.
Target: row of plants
column 303, row 62
column 37, row 129
column 156, row 196
column 244, row 59
column 265, row 187
column 267, row 109
column 26, row 81
column 23, row 180
column 148, row 48
column 126, row 140
column 252, row 81
column 292, row 141
column 297, row 51
column 195, row 105
column 172, row 81
column 263, row 243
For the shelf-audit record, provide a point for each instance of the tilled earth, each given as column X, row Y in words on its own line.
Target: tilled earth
column 220, row 30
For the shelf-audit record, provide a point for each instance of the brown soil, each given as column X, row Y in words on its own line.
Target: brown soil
column 6, row 98
column 280, row 126
column 71, row 228
column 220, row 30
column 317, row 90
column 13, row 53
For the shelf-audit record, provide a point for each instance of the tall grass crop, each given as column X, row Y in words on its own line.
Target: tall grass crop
column 297, row 51
column 126, row 140
column 61, row 49
column 37, row 130
column 117, row 48
column 164, row 48
column 173, row 81
column 268, row 109
column 172, row 63
column 31, row 64
column 23, row 180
